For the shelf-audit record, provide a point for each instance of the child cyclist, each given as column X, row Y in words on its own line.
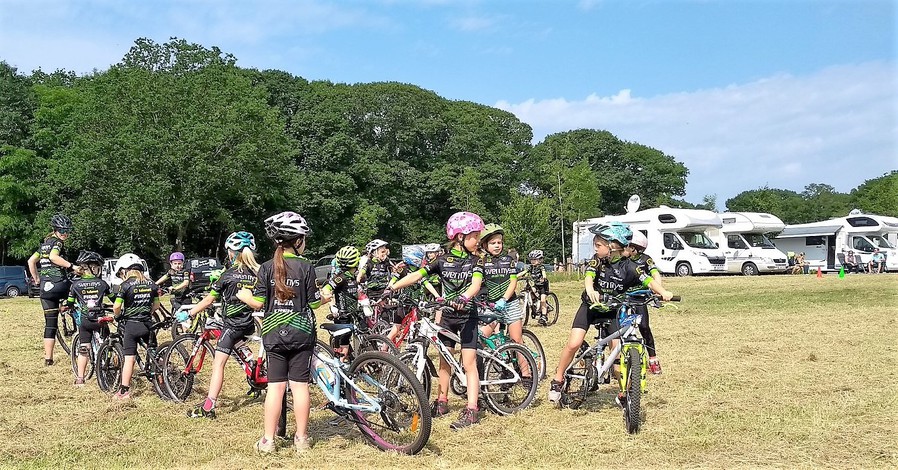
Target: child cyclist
column 536, row 272
column 607, row 273
column 237, row 315
column 500, row 282
column 343, row 290
column 375, row 274
column 135, row 303
column 87, row 295
column 48, row 268
column 461, row 273
column 178, row 278
column 432, row 283
column 286, row 290
column 636, row 252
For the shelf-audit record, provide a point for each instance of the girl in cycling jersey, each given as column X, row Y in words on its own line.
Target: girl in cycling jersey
column 500, row 282
column 432, row 283
column 178, row 278
column 636, row 252
column 537, row 274
column 87, row 295
column 48, row 267
column 137, row 299
column 607, row 273
column 461, row 274
column 343, row 291
column 286, row 291
column 237, row 315
column 375, row 273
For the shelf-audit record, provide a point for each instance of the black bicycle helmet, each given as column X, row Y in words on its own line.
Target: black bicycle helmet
column 89, row 257
column 62, row 222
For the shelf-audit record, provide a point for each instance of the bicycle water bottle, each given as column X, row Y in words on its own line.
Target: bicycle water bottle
column 323, row 373
column 243, row 351
column 365, row 302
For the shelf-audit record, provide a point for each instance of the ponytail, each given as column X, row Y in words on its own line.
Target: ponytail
column 247, row 259
column 281, row 291
column 135, row 273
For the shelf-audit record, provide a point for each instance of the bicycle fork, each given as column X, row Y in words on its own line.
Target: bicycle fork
column 624, row 366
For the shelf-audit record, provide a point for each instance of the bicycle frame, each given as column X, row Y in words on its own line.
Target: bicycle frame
column 252, row 369
column 334, row 393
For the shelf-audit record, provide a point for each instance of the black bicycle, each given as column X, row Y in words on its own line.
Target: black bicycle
column 111, row 358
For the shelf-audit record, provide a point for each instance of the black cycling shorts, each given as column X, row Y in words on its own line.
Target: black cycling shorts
column 87, row 329
column 136, row 331
column 542, row 288
column 294, row 366
column 53, row 293
column 232, row 335
column 586, row 317
column 464, row 327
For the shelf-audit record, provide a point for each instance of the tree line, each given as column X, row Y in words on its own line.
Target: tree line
column 175, row 146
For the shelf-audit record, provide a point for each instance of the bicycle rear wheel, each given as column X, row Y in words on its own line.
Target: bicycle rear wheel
column 110, row 359
column 508, row 398
column 182, row 370
column 551, row 309
column 377, row 343
column 154, row 371
column 404, row 422
column 578, row 380
column 91, row 359
column 531, row 342
column 64, row 332
column 633, row 402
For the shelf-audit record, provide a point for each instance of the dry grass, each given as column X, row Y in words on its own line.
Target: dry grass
column 773, row 371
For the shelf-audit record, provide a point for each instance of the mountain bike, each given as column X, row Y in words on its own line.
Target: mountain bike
column 592, row 366
column 96, row 340
column 182, row 364
column 500, row 336
column 111, row 358
column 502, row 381
column 532, row 309
column 378, row 394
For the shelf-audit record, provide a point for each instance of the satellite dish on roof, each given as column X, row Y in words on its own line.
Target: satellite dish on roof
column 633, row 203
column 855, row 212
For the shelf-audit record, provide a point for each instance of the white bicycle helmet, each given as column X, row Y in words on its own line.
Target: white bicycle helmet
column 431, row 248
column 128, row 261
column 286, row 226
column 237, row 241
column 374, row 244
column 639, row 240
column 535, row 254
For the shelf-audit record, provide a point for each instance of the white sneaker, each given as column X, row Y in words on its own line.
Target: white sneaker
column 264, row 446
column 301, row 443
column 555, row 391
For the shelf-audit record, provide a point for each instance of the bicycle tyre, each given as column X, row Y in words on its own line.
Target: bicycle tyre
column 91, row 359
column 153, row 372
column 110, row 359
column 408, row 415
column 62, row 341
column 505, row 399
column 426, row 379
column 552, row 308
column 526, row 304
column 633, row 402
column 532, row 342
column 379, row 343
column 178, row 384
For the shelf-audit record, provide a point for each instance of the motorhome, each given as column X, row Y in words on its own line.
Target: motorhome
column 825, row 243
column 678, row 238
column 743, row 239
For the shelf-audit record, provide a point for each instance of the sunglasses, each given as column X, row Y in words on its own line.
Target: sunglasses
column 63, row 231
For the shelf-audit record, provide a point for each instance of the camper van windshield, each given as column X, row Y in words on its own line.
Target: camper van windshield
column 697, row 240
column 758, row 240
column 880, row 242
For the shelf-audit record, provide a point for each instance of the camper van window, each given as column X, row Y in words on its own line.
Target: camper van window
column 814, row 241
column 880, row 242
column 697, row 240
column 671, row 242
column 667, row 219
column 862, row 222
column 759, row 240
column 735, row 242
column 861, row 244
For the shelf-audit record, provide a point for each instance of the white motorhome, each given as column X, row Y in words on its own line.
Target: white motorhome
column 678, row 238
column 825, row 243
column 743, row 239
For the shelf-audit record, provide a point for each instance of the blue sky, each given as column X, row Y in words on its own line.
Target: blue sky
column 744, row 93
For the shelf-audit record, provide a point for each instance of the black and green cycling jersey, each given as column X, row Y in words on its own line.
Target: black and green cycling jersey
column 47, row 271
column 236, row 313
column 456, row 269
column 295, row 313
column 615, row 277
column 647, row 264
column 537, row 273
column 346, row 295
column 376, row 276
column 498, row 272
column 88, row 295
column 137, row 299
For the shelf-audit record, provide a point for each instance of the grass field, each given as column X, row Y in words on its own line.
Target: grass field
column 771, row 371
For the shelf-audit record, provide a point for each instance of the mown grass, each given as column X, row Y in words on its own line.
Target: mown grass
column 772, row 371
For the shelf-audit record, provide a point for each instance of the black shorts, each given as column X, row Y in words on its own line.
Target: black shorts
column 52, row 297
column 464, row 327
column 136, row 331
column 231, row 335
column 294, row 366
column 87, row 329
column 586, row 317
column 542, row 288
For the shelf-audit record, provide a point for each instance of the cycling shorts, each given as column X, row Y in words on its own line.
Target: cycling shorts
column 231, row 335
column 464, row 327
column 135, row 332
column 294, row 365
column 586, row 317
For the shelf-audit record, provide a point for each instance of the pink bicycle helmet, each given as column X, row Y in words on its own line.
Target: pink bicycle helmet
column 464, row 223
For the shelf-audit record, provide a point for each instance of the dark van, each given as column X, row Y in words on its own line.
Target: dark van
column 13, row 281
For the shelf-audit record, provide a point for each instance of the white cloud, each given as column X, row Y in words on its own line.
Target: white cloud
column 837, row 126
column 473, row 23
column 587, row 5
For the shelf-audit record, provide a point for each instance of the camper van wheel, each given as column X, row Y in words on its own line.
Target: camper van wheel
column 749, row 269
column 684, row 269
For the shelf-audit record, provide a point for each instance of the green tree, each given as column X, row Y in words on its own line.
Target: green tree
column 878, row 195
column 19, row 170
column 17, row 103
column 527, row 221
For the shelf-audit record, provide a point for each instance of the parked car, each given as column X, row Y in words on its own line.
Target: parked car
column 13, row 281
column 108, row 275
column 323, row 269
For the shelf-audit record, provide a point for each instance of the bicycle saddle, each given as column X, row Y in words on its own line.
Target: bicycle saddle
column 337, row 329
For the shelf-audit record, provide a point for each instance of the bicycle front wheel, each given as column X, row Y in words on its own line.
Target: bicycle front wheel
column 63, row 342
column 182, row 367
column 531, row 342
column 91, row 359
column 551, row 309
column 633, row 402
column 377, row 343
column 404, row 422
column 110, row 359
column 509, row 397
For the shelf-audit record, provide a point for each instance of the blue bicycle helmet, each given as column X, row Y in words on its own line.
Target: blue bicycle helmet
column 412, row 255
column 237, row 241
column 614, row 232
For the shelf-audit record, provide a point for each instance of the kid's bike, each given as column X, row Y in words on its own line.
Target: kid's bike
column 111, row 358
column 533, row 310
